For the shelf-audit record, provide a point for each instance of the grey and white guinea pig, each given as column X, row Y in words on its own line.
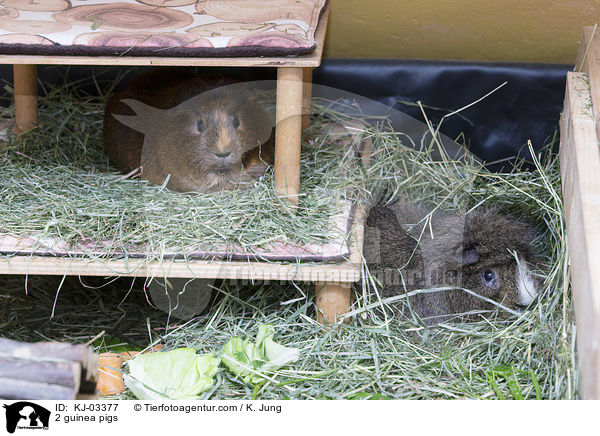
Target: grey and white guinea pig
column 202, row 133
column 485, row 251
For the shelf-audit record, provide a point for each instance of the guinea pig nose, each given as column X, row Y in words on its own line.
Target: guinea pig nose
column 223, row 154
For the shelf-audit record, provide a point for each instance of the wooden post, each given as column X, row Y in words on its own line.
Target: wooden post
column 333, row 300
column 580, row 169
column 306, row 96
column 26, row 108
column 288, row 132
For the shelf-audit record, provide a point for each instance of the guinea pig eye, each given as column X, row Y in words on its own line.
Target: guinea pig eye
column 489, row 278
column 200, row 126
column 236, row 122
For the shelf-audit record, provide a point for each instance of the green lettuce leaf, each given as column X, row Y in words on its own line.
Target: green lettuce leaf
column 179, row 374
column 252, row 360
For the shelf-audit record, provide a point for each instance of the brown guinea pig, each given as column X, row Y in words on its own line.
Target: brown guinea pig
column 200, row 133
column 484, row 251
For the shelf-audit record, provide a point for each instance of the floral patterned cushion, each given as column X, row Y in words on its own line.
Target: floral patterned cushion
column 159, row 27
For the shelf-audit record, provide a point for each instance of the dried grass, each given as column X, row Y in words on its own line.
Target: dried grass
column 527, row 355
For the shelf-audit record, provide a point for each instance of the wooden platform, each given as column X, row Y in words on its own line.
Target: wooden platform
column 293, row 100
column 311, row 60
column 344, row 272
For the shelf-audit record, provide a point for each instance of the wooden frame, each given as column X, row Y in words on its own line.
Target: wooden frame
column 580, row 174
column 580, row 170
column 292, row 114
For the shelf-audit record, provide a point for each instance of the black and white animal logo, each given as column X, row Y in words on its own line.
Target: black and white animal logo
column 26, row 415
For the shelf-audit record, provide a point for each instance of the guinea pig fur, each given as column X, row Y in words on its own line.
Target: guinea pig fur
column 200, row 133
column 483, row 251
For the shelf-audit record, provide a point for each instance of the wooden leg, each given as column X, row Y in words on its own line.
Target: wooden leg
column 306, row 97
column 26, row 108
column 333, row 300
column 288, row 132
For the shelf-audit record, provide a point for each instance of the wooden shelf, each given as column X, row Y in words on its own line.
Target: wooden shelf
column 306, row 61
column 260, row 271
column 345, row 272
column 333, row 293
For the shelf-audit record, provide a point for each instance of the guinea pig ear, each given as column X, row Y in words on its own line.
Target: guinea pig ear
column 528, row 233
column 145, row 116
column 467, row 256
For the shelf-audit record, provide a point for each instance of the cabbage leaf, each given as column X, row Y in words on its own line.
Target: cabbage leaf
column 180, row 374
column 252, row 361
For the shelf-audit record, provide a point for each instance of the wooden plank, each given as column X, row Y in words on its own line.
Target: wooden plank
column 257, row 271
column 580, row 170
column 312, row 59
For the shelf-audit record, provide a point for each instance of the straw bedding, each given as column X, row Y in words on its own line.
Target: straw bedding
column 503, row 355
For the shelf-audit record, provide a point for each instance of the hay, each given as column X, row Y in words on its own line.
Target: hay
column 56, row 183
column 529, row 355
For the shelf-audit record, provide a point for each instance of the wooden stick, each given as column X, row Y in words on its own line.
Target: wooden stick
column 14, row 389
column 53, row 351
column 306, row 96
column 580, row 170
column 66, row 374
column 43, row 350
column 26, row 107
column 288, row 132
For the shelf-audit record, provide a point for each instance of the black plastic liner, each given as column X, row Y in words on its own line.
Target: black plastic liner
column 495, row 129
column 498, row 127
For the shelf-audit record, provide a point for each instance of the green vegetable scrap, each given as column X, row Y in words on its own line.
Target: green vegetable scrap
column 179, row 374
column 251, row 361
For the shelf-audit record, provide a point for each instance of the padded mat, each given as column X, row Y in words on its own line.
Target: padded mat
column 199, row 28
